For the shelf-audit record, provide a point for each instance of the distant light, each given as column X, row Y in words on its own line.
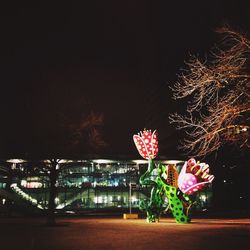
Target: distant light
column 224, row 181
column 69, row 212
column 241, row 197
column 140, row 161
column 103, row 161
column 133, row 199
column 172, row 162
column 244, row 129
column 46, row 161
column 203, row 197
column 15, row 160
column 64, row 161
column 23, row 183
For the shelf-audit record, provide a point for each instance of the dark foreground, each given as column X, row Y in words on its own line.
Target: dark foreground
column 107, row 233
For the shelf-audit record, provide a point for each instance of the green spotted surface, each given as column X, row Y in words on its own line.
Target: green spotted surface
column 176, row 205
column 179, row 203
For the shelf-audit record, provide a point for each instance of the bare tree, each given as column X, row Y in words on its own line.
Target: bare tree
column 87, row 129
column 217, row 90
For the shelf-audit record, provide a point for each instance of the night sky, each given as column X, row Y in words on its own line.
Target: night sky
column 62, row 60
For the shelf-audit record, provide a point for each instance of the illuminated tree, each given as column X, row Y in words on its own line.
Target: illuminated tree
column 217, row 93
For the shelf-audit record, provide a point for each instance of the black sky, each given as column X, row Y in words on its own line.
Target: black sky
column 117, row 56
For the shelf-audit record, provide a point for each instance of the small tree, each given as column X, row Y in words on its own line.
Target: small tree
column 68, row 136
column 86, row 129
column 53, row 175
column 218, row 96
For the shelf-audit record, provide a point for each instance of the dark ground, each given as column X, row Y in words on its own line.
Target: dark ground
column 116, row 233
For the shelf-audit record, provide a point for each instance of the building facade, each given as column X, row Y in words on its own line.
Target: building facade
column 82, row 185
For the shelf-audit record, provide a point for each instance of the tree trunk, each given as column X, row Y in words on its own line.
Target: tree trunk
column 52, row 193
column 8, row 189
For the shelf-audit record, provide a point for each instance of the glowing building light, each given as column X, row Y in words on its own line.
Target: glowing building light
column 203, row 197
column 15, row 160
column 172, row 162
column 134, row 199
column 103, row 161
column 140, row 161
column 23, row 183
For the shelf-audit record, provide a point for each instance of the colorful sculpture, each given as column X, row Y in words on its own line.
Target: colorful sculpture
column 166, row 182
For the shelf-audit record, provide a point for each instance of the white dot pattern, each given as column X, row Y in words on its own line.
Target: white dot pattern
column 147, row 144
column 195, row 177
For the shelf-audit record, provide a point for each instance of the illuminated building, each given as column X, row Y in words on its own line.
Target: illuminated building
column 82, row 185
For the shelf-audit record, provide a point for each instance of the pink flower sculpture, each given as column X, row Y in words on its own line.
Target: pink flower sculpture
column 194, row 176
column 147, row 144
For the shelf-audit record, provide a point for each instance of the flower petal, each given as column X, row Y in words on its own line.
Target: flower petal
column 147, row 144
column 193, row 177
column 141, row 147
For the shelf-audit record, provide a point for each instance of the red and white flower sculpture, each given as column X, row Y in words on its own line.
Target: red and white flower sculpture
column 147, row 144
column 194, row 176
